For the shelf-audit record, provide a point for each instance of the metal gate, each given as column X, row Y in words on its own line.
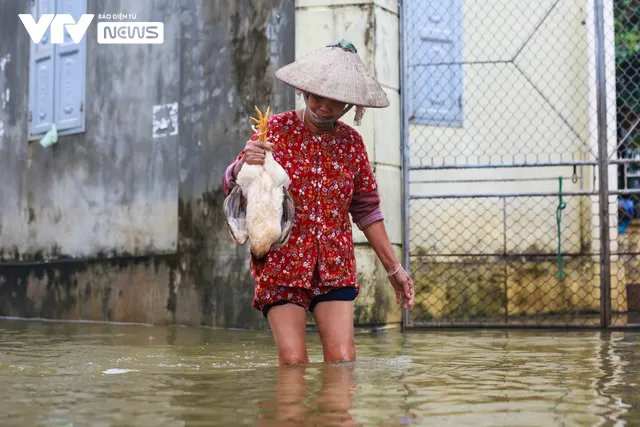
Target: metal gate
column 522, row 162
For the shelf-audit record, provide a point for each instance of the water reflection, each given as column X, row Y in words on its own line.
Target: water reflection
column 295, row 403
column 619, row 380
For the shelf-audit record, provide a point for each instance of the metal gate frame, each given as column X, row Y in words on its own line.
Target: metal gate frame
column 603, row 162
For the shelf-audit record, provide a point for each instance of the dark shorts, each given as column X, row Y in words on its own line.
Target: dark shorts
column 340, row 294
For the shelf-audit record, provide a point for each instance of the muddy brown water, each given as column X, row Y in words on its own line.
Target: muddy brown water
column 84, row 374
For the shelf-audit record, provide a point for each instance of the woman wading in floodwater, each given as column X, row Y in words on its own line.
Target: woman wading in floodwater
column 331, row 179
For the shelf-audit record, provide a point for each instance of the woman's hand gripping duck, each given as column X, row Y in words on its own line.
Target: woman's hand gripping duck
column 260, row 208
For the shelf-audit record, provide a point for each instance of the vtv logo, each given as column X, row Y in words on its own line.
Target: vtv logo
column 58, row 24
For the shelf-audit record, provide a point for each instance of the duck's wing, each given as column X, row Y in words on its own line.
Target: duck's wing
column 236, row 215
column 288, row 210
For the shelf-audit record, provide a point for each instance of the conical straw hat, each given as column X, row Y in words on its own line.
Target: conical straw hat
column 336, row 72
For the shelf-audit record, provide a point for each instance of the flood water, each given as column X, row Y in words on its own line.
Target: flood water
column 79, row 374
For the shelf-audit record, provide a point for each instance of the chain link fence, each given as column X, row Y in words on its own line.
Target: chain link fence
column 522, row 165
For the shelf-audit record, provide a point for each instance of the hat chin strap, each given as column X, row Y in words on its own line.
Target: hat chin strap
column 347, row 109
column 359, row 113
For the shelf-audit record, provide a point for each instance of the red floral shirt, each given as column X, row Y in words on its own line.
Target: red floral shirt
column 326, row 170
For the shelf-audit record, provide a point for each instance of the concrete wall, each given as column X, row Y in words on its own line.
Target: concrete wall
column 373, row 27
column 113, row 224
column 116, row 225
column 112, row 189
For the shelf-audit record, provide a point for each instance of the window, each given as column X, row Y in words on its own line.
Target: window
column 57, row 76
column 435, row 75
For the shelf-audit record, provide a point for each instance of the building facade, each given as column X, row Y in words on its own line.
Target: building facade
column 121, row 218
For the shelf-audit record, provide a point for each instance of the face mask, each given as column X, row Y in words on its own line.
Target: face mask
column 320, row 121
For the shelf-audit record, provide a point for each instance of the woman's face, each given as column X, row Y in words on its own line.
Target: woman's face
column 324, row 111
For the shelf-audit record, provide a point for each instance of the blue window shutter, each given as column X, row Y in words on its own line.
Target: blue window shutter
column 70, row 74
column 436, row 79
column 41, row 76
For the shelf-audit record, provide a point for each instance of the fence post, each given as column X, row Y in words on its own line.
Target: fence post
column 405, row 147
column 603, row 168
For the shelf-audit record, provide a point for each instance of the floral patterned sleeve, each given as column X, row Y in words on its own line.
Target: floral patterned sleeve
column 228, row 182
column 365, row 205
column 364, row 178
column 365, row 209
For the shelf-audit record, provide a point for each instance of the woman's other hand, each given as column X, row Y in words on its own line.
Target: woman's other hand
column 403, row 286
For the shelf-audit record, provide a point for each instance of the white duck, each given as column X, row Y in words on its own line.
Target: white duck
column 260, row 208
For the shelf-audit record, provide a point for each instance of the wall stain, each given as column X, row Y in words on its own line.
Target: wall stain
column 250, row 56
column 32, row 215
column 370, row 35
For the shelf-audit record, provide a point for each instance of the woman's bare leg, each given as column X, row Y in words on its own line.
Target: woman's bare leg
column 288, row 324
column 334, row 320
